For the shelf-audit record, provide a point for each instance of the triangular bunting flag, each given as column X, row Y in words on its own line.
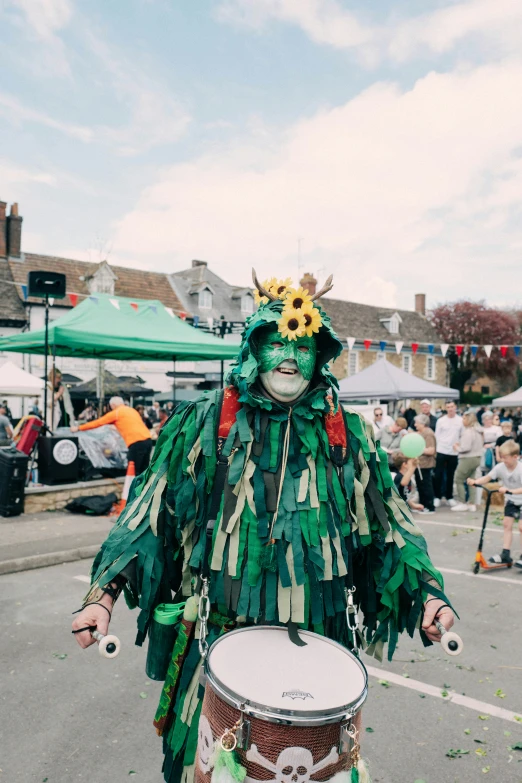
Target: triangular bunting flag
column 24, row 292
column 73, row 298
column 382, row 345
column 474, row 349
column 516, row 350
column 351, row 342
column 414, row 348
column 170, row 311
column 503, row 350
column 115, row 303
column 183, row 316
column 94, row 299
column 51, row 300
column 134, row 305
column 459, row 349
column 488, row 349
column 398, row 346
column 444, row 348
column 431, row 348
column 367, row 344
column 154, row 309
column 195, row 322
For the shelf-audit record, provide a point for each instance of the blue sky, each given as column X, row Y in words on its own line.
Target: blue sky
column 386, row 137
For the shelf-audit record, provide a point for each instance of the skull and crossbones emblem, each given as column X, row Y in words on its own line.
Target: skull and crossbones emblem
column 205, row 744
column 293, row 765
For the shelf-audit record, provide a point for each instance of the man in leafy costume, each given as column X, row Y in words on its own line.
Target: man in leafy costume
column 306, row 516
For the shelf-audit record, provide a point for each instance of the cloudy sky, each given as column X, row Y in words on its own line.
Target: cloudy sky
column 382, row 139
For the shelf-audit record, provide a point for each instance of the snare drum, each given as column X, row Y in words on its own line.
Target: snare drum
column 294, row 705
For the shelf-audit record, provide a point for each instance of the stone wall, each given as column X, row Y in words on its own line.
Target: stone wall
column 55, row 498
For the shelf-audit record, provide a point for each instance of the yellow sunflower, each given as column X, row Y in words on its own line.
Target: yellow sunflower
column 292, row 324
column 259, row 299
column 296, row 298
column 312, row 319
column 280, row 287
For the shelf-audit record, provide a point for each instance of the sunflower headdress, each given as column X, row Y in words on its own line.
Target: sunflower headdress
column 299, row 315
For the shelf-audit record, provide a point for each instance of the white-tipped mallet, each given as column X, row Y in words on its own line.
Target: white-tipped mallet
column 450, row 641
column 109, row 646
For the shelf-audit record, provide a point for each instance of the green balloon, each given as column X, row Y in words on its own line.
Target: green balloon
column 413, row 445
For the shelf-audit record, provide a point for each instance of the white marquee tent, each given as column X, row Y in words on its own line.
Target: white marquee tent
column 16, row 382
column 513, row 400
column 383, row 381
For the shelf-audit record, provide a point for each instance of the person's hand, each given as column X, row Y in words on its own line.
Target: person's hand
column 456, row 446
column 471, row 482
column 92, row 615
column 417, row 506
column 74, row 428
column 433, row 610
column 503, row 490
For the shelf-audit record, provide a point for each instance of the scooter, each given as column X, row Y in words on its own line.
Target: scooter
column 480, row 561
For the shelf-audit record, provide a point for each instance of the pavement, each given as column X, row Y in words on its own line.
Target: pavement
column 69, row 715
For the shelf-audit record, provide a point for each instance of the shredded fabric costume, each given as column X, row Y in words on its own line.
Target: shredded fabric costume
column 300, row 522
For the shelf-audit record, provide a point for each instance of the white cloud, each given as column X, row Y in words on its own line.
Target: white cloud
column 327, row 22
column 45, row 17
column 12, row 175
column 42, row 21
column 16, row 112
column 394, row 188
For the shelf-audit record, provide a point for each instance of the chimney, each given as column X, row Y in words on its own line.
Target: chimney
column 420, row 303
column 309, row 282
column 195, row 263
column 3, row 227
column 14, row 233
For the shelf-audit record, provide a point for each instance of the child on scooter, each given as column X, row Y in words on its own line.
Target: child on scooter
column 509, row 472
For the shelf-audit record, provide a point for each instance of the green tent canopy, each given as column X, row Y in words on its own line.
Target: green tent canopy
column 114, row 327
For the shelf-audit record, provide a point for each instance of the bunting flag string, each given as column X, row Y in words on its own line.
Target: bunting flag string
column 459, row 348
column 73, row 298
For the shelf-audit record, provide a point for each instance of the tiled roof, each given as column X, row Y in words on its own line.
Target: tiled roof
column 351, row 319
column 11, row 308
column 186, row 284
column 133, row 283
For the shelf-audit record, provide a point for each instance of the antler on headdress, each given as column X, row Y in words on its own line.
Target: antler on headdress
column 262, row 291
column 324, row 290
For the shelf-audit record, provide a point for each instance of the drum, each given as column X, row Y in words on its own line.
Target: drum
column 292, row 706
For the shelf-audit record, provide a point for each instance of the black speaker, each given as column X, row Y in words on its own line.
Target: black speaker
column 13, row 468
column 42, row 284
column 58, row 460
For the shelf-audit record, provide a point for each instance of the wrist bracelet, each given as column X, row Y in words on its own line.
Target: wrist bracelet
column 92, row 603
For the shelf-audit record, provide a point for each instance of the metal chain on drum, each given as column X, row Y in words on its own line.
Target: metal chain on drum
column 203, row 615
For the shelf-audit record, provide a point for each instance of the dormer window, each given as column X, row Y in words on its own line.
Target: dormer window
column 392, row 323
column 247, row 304
column 205, row 299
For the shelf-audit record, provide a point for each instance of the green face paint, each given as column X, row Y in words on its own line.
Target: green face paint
column 273, row 349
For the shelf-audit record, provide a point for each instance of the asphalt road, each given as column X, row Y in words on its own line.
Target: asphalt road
column 69, row 715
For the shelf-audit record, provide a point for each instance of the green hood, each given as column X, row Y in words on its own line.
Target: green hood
column 245, row 372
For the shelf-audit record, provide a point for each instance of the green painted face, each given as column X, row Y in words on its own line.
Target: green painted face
column 274, row 349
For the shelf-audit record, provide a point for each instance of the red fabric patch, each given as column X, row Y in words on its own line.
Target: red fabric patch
column 335, row 427
column 229, row 409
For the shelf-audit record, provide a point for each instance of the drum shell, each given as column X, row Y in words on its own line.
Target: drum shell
column 269, row 738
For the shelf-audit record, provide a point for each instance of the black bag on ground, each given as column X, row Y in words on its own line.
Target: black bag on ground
column 96, row 505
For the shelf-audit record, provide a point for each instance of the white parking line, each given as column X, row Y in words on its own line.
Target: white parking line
column 489, row 577
column 456, row 698
column 450, row 524
column 82, row 578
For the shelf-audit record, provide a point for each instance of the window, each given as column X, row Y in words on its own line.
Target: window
column 407, row 364
column 247, row 304
column 205, row 300
column 484, row 390
column 393, row 326
column 353, row 362
column 430, row 368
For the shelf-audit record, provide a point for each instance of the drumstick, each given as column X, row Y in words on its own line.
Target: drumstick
column 109, row 646
column 450, row 641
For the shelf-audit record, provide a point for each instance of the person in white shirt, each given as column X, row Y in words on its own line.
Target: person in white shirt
column 380, row 421
column 447, row 433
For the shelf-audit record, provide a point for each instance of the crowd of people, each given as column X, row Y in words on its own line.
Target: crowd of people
column 462, row 450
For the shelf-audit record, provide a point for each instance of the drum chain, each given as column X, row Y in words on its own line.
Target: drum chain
column 352, row 616
column 355, row 749
column 203, row 615
column 229, row 739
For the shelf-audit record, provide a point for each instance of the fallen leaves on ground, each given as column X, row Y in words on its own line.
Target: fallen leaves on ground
column 455, row 753
column 384, row 683
column 500, row 693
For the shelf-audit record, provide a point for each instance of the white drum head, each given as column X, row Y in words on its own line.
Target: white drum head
column 262, row 668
